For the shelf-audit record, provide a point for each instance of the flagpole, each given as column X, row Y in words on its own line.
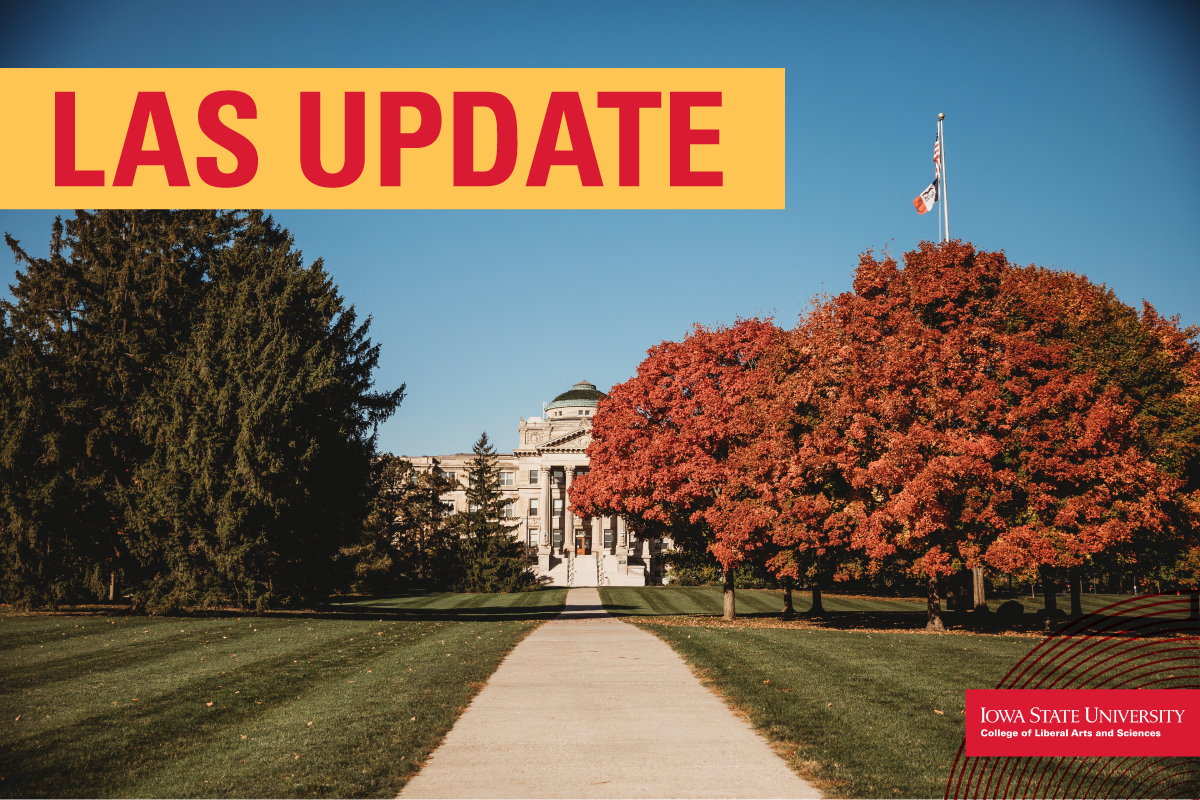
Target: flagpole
column 942, row 139
column 937, row 152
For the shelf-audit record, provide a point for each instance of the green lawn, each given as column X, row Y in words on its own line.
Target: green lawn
column 460, row 607
column 340, row 704
column 852, row 701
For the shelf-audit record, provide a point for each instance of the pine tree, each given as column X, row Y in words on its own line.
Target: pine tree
column 87, row 337
column 490, row 558
column 406, row 531
column 265, row 435
column 188, row 407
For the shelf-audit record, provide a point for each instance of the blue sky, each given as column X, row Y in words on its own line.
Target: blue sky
column 1071, row 142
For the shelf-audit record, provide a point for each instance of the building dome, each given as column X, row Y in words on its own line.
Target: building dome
column 582, row 394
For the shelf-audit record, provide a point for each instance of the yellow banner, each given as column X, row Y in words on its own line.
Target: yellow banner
column 392, row 138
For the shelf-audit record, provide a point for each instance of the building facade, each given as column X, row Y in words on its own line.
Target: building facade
column 568, row 549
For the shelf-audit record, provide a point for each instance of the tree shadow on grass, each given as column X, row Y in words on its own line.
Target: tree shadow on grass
column 401, row 606
column 114, row 750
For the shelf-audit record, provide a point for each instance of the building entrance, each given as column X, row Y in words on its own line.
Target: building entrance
column 583, row 544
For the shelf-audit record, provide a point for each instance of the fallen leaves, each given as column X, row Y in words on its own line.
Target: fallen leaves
column 941, row 713
column 209, row 703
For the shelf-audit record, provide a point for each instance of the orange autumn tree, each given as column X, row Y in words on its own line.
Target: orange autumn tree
column 1154, row 365
column 784, row 490
column 951, row 407
column 661, row 441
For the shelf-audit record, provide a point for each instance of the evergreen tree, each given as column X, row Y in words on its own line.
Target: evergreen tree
column 406, row 533
column 490, row 559
column 86, row 339
column 187, row 406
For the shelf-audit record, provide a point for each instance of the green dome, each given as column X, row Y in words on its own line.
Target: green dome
column 581, row 394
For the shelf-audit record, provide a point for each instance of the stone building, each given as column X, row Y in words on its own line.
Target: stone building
column 569, row 550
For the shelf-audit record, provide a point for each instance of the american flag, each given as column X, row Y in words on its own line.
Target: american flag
column 927, row 198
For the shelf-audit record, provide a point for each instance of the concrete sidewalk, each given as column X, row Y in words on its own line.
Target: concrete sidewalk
column 590, row 707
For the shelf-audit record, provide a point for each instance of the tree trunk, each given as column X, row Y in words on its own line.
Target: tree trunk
column 788, row 611
column 1050, row 593
column 421, row 559
column 112, row 585
column 978, row 590
column 933, row 608
column 817, row 610
column 730, row 611
column 1076, row 591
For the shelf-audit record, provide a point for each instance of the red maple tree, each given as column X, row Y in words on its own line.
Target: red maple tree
column 783, row 490
column 1154, row 366
column 961, row 428
column 954, row 412
column 661, row 441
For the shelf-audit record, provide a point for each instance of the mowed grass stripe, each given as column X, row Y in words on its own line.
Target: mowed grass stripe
column 339, row 693
column 541, row 604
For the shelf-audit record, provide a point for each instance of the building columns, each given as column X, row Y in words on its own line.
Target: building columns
column 545, row 543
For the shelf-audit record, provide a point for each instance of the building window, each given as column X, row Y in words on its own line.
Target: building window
column 448, row 505
column 508, row 479
column 509, row 510
column 558, row 537
column 608, row 537
column 533, row 506
column 558, row 477
column 533, row 542
column 448, row 476
column 472, row 507
column 533, row 477
column 558, row 506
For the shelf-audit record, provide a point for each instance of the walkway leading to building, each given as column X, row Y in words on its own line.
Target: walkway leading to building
column 588, row 706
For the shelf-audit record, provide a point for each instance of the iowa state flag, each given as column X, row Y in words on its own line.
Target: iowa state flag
column 927, row 198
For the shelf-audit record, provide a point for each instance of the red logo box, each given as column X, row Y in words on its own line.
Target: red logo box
column 1083, row 722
